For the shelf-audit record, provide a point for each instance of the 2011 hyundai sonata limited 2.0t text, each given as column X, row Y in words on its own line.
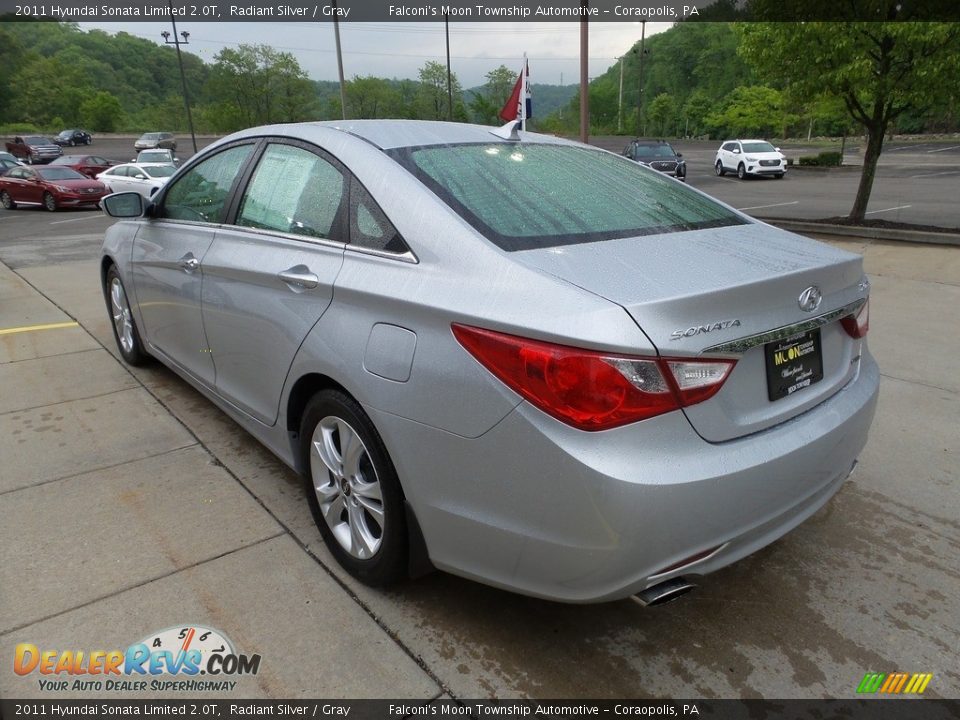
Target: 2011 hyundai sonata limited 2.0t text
column 505, row 355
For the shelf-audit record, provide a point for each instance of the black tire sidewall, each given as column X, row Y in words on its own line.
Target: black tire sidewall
column 6, row 201
column 389, row 563
column 741, row 172
column 49, row 199
column 719, row 168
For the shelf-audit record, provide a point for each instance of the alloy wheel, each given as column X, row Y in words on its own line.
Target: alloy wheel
column 120, row 311
column 347, row 487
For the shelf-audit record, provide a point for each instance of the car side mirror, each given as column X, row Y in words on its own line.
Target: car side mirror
column 777, row 149
column 736, row 151
column 679, row 154
column 123, row 205
column 140, row 176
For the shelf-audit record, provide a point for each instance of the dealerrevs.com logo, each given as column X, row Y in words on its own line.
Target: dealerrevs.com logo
column 189, row 658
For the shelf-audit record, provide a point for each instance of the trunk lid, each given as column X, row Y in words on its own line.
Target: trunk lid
column 691, row 291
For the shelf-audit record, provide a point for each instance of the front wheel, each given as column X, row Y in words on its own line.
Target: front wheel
column 779, row 176
column 49, row 202
column 125, row 330
column 6, row 201
column 741, row 171
column 720, row 170
column 353, row 489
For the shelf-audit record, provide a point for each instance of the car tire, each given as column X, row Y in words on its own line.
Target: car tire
column 741, row 172
column 49, row 202
column 357, row 504
column 6, row 201
column 125, row 330
column 779, row 176
column 721, row 171
column 73, row 143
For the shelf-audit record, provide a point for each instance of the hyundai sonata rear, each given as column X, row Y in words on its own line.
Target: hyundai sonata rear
column 515, row 358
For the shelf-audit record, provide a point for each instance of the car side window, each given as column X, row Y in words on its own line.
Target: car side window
column 200, row 194
column 369, row 227
column 294, row 191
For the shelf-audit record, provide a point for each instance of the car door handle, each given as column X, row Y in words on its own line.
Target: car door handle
column 189, row 263
column 300, row 276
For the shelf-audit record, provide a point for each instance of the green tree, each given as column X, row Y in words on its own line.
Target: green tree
column 878, row 70
column 433, row 103
column 695, row 111
column 487, row 103
column 256, row 85
column 101, row 112
column 371, row 97
column 752, row 110
column 662, row 111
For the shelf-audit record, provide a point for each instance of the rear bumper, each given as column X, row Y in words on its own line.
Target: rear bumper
column 537, row 507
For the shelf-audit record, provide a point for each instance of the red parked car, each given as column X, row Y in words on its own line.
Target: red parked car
column 89, row 165
column 51, row 187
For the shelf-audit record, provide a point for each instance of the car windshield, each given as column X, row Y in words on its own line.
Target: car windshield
column 66, row 160
column 150, row 136
column 154, row 155
column 539, row 195
column 160, row 170
column 758, row 147
column 65, row 134
column 59, row 173
column 37, row 140
column 658, row 150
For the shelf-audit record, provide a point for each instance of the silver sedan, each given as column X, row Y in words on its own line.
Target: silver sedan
column 505, row 355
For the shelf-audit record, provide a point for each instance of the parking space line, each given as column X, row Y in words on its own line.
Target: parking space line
column 898, row 207
column 952, row 147
column 944, row 172
column 758, row 207
column 61, row 222
column 32, row 328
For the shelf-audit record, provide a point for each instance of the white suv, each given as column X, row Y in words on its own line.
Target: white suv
column 750, row 157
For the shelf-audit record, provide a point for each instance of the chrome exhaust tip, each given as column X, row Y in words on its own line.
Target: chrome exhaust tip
column 662, row 593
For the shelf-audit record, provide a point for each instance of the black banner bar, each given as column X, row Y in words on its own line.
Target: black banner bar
column 480, row 10
column 874, row 709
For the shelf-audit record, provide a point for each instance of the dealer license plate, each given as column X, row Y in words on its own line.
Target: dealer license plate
column 793, row 364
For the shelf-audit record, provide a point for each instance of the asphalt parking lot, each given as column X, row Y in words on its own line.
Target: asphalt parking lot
column 129, row 504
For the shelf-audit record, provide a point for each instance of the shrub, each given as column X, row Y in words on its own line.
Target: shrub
column 830, row 159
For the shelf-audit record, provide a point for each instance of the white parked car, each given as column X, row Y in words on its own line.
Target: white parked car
column 143, row 178
column 750, row 157
column 158, row 155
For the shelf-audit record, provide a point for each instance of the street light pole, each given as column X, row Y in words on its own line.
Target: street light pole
column 343, row 87
column 584, row 80
column 183, row 77
column 446, row 24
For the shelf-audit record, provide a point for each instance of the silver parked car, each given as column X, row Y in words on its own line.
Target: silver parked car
column 509, row 356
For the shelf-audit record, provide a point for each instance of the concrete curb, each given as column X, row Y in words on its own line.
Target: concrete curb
column 869, row 233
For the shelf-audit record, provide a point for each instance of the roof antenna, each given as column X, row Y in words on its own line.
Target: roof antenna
column 509, row 131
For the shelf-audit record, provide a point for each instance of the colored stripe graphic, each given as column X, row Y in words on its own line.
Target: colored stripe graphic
column 895, row 683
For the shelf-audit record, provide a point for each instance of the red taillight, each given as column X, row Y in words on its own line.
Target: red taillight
column 858, row 324
column 592, row 390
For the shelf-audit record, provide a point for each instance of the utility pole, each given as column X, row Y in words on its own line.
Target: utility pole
column 183, row 77
column 620, row 101
column 336, row 35
column 584, row 81
column 643, row 35
column 446, row 23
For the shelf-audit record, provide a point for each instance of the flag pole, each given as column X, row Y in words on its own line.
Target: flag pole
column 523, row 95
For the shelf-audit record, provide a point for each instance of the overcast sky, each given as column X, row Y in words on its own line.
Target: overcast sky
column 398, row 50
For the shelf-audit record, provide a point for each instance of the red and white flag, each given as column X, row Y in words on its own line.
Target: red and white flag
column 519, row 105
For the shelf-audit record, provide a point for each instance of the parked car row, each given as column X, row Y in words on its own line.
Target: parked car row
column 743, row 157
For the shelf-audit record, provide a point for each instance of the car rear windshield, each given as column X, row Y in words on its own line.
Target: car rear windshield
column 525, row 196
column 758, row 147
column 37, row 140
column 160, row 171
column 59, row 173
